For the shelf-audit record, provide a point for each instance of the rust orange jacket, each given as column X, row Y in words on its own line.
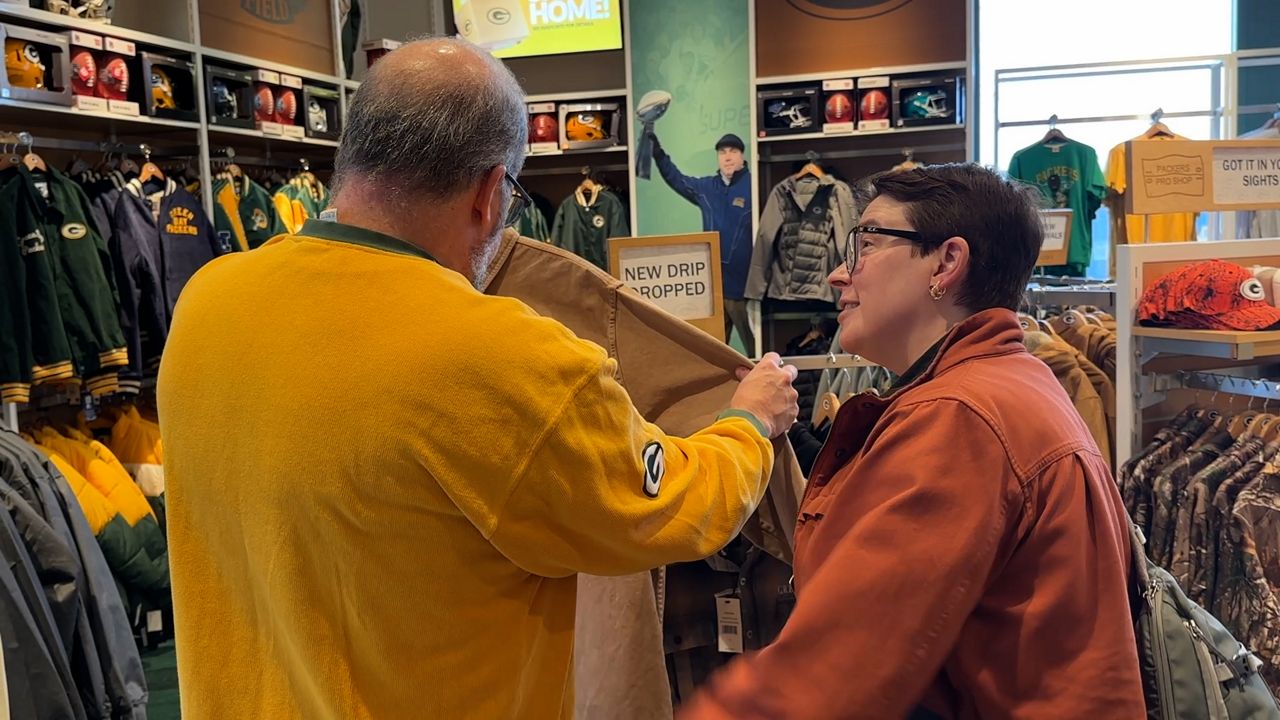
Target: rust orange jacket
column 961, row 553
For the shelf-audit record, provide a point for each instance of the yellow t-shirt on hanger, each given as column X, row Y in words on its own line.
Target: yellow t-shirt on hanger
column 1168, row 227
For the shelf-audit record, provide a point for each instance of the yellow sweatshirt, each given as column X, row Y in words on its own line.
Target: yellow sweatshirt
column 381, row 484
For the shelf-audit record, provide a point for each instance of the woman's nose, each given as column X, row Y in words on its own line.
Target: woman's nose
column 839, row 278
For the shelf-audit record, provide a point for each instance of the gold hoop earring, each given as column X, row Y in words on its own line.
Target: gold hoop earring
column 936, row 291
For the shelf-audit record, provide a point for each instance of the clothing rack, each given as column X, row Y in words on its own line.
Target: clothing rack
column 878, row 152
column 1159, row 385
column 1102, row 295
column 26, row 139
column 228, row 154
column 830, row 361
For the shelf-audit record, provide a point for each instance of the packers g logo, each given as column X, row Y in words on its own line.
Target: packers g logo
column 655, row 466
column 847, row 9
column 74, row 231
column 259, row 219
column 598, row 221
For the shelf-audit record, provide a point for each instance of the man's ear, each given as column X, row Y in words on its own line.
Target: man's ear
column 953, row 263
column 490, row 200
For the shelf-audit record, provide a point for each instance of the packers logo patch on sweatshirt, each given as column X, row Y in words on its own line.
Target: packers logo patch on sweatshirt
column 74, row 231
column 655, row 466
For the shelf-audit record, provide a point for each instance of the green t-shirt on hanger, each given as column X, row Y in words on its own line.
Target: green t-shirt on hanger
column 1069, row 176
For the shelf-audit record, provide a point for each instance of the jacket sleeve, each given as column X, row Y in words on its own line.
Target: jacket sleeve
column 686, row 186
column 762, row 253
column 560, row 236
column 15, row 325
column 876, row 620
column 606, row 493
column 619, row 223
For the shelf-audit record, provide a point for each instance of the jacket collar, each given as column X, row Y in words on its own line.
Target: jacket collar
column 737, row 176
column 986, row 334
column 134, row 186
column 338, row 232
column 510, row 236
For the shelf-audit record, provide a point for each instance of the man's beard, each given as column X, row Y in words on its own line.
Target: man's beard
column 482, row 257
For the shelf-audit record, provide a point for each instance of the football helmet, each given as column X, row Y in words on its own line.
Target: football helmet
column 84, row 73
column 581, row 126
column 162, row 90
column 224, row 101
column 23, row 64
column 926, row 104
column 317, row 120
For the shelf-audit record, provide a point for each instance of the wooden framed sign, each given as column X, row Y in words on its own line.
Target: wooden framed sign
column 1057, row 236
column 678, row 273
column 1171, row 176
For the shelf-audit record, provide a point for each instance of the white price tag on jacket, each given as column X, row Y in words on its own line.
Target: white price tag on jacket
column 729, row 622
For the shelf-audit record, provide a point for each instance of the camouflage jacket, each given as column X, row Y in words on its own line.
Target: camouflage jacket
column 1252, row 605
column 1192, row 538
column 1137, row 494
column 1221, row 564
column 1169, row 489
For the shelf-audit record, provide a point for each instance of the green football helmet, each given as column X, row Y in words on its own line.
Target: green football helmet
column 926, row 104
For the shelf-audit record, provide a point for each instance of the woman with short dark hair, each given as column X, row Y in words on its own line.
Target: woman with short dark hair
column 962, row 551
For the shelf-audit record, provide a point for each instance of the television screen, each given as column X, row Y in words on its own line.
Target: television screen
column 555, row 26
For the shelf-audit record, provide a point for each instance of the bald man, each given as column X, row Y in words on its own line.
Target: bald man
column 381, row 481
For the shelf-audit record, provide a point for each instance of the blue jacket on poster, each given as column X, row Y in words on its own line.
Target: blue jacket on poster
column 726, row 208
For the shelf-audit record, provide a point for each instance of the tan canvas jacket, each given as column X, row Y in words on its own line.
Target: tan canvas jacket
column 679, row 378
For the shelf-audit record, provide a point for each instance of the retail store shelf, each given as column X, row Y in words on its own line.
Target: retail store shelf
column 54, row 20
column 577, row 96
column 258, row 134
column 579, row 151
column 864, row 133
column 959, row 66
column 1231, row 345
column 253, row 62
column 34, row 117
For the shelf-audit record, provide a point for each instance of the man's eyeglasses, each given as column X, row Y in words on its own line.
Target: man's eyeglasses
column 520, row 200
column 853, row 245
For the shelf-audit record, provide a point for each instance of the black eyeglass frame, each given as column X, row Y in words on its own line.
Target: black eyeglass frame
column 853, row 249
column 520, row 201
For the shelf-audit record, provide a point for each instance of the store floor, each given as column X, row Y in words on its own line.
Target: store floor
column 161, row 666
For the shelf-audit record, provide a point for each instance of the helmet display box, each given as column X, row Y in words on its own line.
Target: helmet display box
column 936, row 100
column 230, row 97
column 787, row 111
column 37, row 66
column 589, row 125
column 320, row 111
column 169, row 87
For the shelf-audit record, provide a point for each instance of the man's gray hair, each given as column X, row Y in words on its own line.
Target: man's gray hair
column 425, row 130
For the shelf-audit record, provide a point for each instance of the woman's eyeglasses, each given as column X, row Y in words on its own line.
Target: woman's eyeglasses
column 853, row 245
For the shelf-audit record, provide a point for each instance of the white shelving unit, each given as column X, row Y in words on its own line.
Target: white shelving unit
column 52, row 122
column 1145, row 355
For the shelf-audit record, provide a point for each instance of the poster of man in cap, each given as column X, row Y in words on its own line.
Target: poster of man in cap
column 724, row 198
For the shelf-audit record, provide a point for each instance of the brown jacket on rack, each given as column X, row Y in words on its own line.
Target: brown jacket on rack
column 962, row 552
column 1076, row 381
column 1097, row 343
column 679, row 378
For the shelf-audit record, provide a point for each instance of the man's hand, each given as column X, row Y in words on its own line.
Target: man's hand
column 766, row 392
column 657, row 146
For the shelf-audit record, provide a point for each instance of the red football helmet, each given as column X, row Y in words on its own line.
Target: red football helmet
column 875, row 105
column 839, row 108
column 544, row 128
column 113, row 79
column 264, row 104
column 84, row 73
column 286, row 106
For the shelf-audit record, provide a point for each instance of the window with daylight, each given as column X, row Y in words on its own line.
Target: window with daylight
column 1025, row 76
